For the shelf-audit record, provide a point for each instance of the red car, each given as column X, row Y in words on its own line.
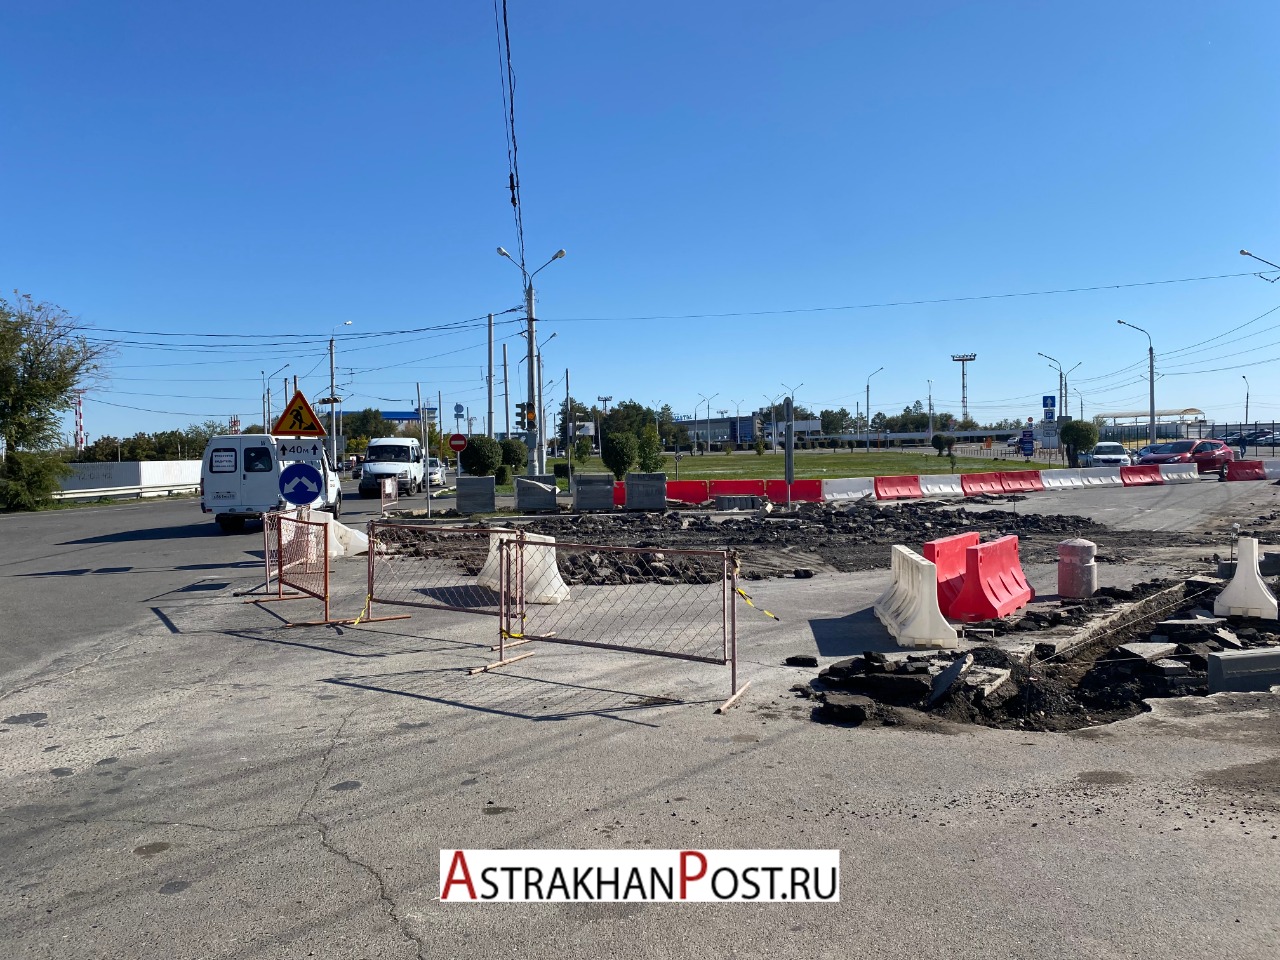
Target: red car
column 1212, row 456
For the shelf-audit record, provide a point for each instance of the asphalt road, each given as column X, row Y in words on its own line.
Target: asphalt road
column 72, row 576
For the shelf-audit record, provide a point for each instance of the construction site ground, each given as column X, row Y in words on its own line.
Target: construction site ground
column 209, row 783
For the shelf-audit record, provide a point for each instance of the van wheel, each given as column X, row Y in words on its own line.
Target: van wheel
column 231, row 524
column 337, row 507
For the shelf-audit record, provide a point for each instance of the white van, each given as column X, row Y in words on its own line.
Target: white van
column 240, row 477
column 399, row 457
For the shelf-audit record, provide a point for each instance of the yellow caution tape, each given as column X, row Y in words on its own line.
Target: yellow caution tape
column 365, row 612
column 742, row 593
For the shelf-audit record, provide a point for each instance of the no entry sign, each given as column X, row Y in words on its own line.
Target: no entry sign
column 457, row 443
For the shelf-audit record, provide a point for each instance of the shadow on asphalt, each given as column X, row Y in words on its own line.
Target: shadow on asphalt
column 359, row 643
column 99, row 571
column 850, row 635
column 510, row 695
column 179, row 532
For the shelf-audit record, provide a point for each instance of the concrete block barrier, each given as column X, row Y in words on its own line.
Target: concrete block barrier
column 1246, row 595
column 994, row 584
column 977, row 484
column 1244, row 671
column 1179, row 472
column 1144, row 475
column 857, row 488
column 1061, row 479
column 1021, row 481
column 1101, row 477
column 646, row 491
column 909, row 608
column 948, row 555
column 941, row 485
column 1246, row 470
column 898, row 488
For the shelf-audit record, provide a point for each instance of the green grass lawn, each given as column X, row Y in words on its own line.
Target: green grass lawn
column 820, row 465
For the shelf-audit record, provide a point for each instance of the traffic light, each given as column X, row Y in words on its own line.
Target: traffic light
column 525, row 415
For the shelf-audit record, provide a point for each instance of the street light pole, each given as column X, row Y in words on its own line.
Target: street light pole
column 1151, row 373
column 1246, row 400
column 773, row 420
column 869, row 409
column 333, row 400
column 535, row 429
column 708, row 421
column 1058, row 367
column 930, row 412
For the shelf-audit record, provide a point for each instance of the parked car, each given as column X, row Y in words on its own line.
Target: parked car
column 435, row 472
column 1210, row 456
column 1106, row 454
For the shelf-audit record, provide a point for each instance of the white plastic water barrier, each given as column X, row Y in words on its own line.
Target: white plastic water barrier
column 857, row 488
column 1101, row 477
column 1179, row 472
column 542, row 580
column 1061, row 479
column 1246, row 595
column 1272, row 469
column 909, row 608
column 941, row 485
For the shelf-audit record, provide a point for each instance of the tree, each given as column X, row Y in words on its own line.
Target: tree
column 582, row 449
column 619, row 454
column 628, row 417
column 834, row 421
column 44, row 356
column 649, row 451
column 514, row 453
column 942, row 441
column 366, row 423
column 481, row 456
column 1078, row 435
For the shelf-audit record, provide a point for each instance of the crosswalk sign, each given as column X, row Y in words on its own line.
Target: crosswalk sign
column 298, row 420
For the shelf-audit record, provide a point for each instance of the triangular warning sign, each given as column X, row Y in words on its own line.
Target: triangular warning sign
column 298, row 420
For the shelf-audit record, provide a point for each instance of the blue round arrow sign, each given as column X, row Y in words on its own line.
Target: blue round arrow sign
column 301, row 483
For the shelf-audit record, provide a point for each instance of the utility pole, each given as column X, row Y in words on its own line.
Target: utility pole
column 964, row 359
column 333, row 408
column 600, row 422
column 506, row 395
column 541, row 415
column 1246, row 401
column 869, row 409
column 426, row 444
column 570, row 424
column 930, row 411
column 534, row 426
column 489, row 421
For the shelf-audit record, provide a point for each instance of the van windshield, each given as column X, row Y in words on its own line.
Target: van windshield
column 380, row 453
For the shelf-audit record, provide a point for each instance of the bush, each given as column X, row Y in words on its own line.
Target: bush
column 28, row 480
column 582, row 449
column 515, row 453
column 482, row 456
column 619, row 454
column 1078, row 435
column 561, row 470
column 758, row 446
column 502, row 476
column 942, row 441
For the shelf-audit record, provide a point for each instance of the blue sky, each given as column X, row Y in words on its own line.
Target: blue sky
column 271, row 171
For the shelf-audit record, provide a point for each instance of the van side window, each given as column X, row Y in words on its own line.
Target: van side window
column 222, row 460
column 258, row 460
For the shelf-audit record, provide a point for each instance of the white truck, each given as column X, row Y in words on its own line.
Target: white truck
column 240, row 477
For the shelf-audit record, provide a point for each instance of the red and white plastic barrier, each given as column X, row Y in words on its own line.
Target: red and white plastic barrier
column 909, row 608
column 994, row 584
column 941, row 485
column 948, row 555
column 1246, row 470
column 898, row 488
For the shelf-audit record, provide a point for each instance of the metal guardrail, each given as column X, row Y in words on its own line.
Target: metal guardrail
column 138, row 491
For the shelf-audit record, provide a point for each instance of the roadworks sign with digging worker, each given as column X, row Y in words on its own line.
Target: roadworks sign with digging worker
column 298, row 420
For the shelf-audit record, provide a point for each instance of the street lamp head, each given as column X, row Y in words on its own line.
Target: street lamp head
column 503, row 253
column 560, row 254
column 1245, row 253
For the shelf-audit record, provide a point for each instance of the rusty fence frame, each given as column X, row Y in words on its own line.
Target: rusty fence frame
column 515, row 608
column 372, row 596
column 270, row 544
